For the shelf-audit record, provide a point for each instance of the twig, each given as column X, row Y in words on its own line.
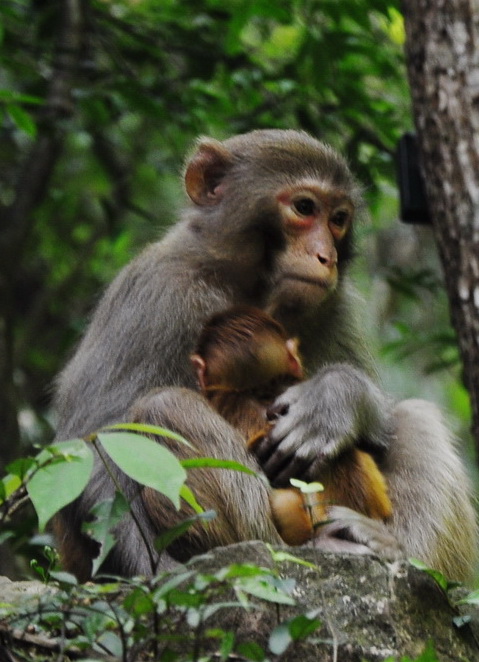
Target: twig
column 330, row 628
column 106, row 464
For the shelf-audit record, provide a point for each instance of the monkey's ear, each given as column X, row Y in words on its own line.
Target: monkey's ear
column 205, row 171
column 199, row 366
column 295, row 364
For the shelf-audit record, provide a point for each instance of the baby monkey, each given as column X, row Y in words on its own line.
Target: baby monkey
column 244, row 361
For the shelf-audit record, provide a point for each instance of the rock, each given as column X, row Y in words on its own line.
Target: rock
column 20, row 593
column 370, row 609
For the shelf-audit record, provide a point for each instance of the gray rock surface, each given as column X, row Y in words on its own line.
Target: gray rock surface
column 371, row 610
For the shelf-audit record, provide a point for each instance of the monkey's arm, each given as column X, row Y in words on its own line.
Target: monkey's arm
column 242, row 502
column 432, row 512
column 319, row 418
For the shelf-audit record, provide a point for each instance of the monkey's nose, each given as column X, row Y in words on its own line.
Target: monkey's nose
column 275, row 411
column 327, row 260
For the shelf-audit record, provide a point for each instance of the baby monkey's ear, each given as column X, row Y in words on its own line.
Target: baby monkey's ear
column 295, row 365
column 199, row 366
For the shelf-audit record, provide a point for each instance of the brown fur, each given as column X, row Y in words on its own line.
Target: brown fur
column 236, row 347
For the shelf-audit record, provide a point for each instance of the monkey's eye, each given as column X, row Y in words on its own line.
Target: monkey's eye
column 304, row 206
column 340, row 218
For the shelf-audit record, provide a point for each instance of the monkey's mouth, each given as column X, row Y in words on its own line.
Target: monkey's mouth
column 322, row 283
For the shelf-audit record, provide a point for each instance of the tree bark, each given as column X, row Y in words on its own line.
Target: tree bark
column 442, row 50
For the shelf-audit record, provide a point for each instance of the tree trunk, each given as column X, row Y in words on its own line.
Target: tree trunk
column 442, row 52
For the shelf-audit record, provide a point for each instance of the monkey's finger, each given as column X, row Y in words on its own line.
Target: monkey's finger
column 274, row 412
column 263, row 448
column 311, row 472
column 272, row 467
column 279, row 472
column 276, row 462
column 354, row 526
column 255, row 440
column 284, row 427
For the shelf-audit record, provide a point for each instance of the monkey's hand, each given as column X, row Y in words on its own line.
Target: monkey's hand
column 317, row 420
column 352, row 532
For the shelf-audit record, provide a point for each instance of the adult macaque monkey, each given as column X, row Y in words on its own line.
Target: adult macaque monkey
column 244, row 360
column 269, row 224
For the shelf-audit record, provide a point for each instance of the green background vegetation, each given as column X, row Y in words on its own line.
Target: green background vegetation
column 148, row 76
column 96, row 119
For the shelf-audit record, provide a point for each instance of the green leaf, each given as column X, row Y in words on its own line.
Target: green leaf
column 251, row 651
column 149, row 429
column 297, row 628
column 227, row 644
column 189, row 497
column 107, row 514
column 438, row 577
column 280, row 556
column 64, row 577
column 55, row 485
column 138, row 602
column 22, row 120
column 11, row 96
column 172, row 584
column 265, row 590
column 306, row 488
column 210, row 610
column 165, row 539
column 213, row 463
column 111, row 642
column 146, row 461
column 39, row 569
column 470, row 599
column 303, row 625
column 22, row 466
column 9, row 484
column 240, row 570
column 279, row 639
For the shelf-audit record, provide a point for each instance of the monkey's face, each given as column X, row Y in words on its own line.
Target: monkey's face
column 275, row 210
column 316, row 221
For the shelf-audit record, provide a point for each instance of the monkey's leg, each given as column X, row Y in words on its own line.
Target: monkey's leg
column 134, row 552
column 377, row 502
column 430, row 492
column 354, row 480
column 241, row 501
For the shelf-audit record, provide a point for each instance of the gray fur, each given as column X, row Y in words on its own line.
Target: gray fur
column 145, row 328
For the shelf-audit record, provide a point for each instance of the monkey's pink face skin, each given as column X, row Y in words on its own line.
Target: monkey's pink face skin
column 315, row 222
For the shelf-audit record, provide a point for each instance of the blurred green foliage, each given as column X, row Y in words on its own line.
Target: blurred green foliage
column 97, row 114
